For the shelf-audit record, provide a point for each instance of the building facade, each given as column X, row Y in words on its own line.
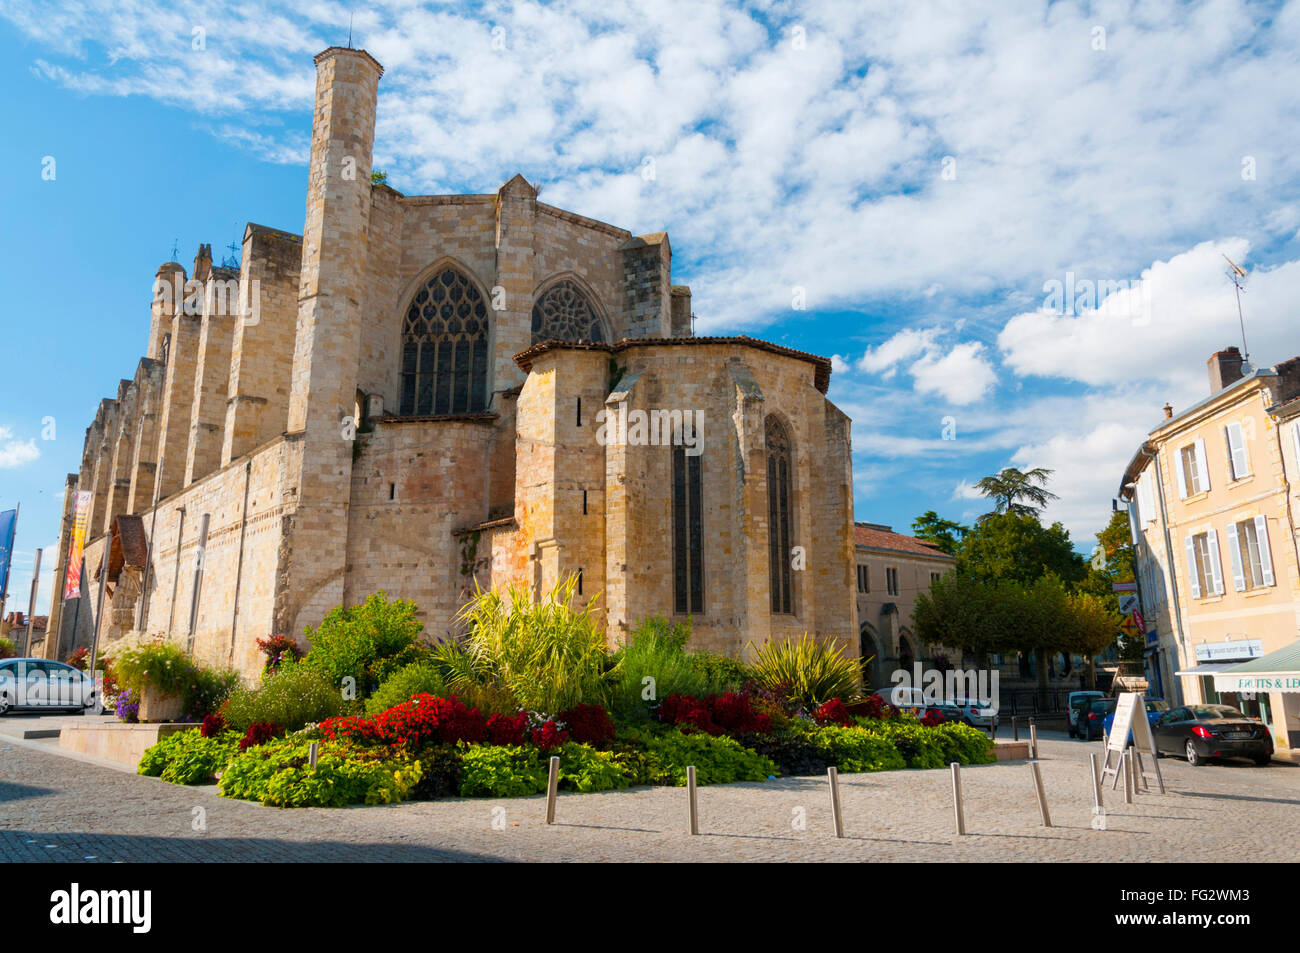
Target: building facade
column 1211, row 502
column 892, row 569
column 419, row 394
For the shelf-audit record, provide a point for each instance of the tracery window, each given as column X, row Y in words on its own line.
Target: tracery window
column 778, row 513
column 445, row 348
column 563, row 313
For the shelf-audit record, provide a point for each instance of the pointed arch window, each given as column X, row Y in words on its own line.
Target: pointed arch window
column 445, row 348
column 778, row 513
column 564, row 313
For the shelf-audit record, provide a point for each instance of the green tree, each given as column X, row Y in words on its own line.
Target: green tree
column 1008, row 487
column 1018, row 547
column 944, row 534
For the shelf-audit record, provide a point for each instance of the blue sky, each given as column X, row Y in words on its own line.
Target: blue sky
column 919, row 174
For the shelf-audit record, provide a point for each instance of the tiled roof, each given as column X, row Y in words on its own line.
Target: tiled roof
column 896, row 542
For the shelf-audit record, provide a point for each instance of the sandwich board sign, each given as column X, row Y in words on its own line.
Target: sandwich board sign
column 1131, row 717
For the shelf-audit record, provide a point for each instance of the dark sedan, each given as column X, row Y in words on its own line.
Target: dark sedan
column 1092, row 719
column 1202, row 732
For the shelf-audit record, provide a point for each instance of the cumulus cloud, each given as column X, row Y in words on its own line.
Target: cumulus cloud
column 15, row 452
column 962, row 376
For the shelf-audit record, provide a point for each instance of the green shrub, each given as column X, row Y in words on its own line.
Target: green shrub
column 440, row 767
column 278, row 774
column 364, row 642
column 918, row 744
column 655, row 649
column 583, row 768
column 721, row 673
column 855, row 749
column 186, row 757
column 717, row 759
column 807, row 672
column 210, row 689
column 547, row 655
column 7, row 648
column 293, row 697
column 161, row 666
column 423, row 676
column 501, row 771
column 964, row 744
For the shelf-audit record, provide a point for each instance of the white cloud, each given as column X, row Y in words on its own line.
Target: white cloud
column 14, row 452
column 839, row 365
column 906, row 345
column 962, row 376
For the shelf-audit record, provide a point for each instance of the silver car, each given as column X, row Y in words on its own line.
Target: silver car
column 35, row 684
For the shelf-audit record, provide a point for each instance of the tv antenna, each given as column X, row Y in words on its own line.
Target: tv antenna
column 1235, row 274
column 349, row 29
column 176, row 249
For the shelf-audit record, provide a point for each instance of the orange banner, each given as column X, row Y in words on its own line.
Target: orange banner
column 80, row 517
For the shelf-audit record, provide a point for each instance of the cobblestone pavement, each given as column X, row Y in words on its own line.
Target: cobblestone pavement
column 54, row 808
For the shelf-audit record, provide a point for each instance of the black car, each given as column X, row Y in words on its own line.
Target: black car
column 1202, row 732
column 1092, row 719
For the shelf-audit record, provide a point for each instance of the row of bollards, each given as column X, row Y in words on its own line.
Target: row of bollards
column 692, row 798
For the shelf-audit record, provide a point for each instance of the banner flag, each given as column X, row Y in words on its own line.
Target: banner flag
column 77, row 545
column 8, row 521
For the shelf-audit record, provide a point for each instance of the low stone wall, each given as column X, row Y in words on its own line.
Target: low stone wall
column 122, row 743
column 1012, row 750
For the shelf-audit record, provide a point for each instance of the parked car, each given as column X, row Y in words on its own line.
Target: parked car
column 977, row 714
column 35, row 684
column 912, row 700
column 1091, row 720
column 1075, row 703
column 1202, row 732
column 1155, row 708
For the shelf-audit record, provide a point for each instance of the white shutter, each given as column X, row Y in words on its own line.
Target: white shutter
column 1239, row 462
column 1178, row 472
column 1146, row 500
column 1265, row 557
column 1192, row 577
column 1234, row 550
column 1216, row 568
column 1203, row 474
column 1295, row 433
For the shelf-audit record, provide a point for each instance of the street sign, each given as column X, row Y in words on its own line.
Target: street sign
column 1139, row 623
column 1128, row 603
column 1123, row 587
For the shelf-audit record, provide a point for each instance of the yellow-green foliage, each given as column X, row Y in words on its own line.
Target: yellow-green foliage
column 806, row 672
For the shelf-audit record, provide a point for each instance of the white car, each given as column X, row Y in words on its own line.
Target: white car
column 35, row 684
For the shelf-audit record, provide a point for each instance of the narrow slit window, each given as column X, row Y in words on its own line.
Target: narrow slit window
column 688, row 534
column 778, row 515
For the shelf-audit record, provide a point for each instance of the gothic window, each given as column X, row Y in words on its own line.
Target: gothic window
column 563, row 313
column 445, row 348
column 778, row 514
column 688, row 533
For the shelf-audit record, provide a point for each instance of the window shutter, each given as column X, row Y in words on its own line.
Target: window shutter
column 1295, row 433
column 1234, row 551
column 1203, row 476
column 1216, row 568
column 1265, row 557
column 1192, row 576
column 1239, row 463
column 1146, row 500
column 1181, row 477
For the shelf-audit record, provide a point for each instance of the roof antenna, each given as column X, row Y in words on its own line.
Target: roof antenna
column 176, row 249
column 349, row 29
column 1235, row 274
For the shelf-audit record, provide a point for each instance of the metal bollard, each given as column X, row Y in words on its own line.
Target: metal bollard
column 552, row 784
column 1096, row 781
column 1015, row 728
column 694, row 808
column 1128, row 778
column 312, row 754
column 1042, row 794
column 833, row 775
column 1033, row 740
column 956, row 798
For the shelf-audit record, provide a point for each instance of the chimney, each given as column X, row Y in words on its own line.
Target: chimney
column 1169, row 411
column 1225, row 369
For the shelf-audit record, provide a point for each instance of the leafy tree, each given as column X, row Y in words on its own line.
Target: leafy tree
column 1018, row 547
column 944, row 534
column 364, row 642
column 1010, row 486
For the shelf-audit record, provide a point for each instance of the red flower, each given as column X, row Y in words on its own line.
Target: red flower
column 834, row 712
column 507, row 729
column 213, row 725
column 589, row 724
column 932, row 717
column 259, row 733
column 549, row 736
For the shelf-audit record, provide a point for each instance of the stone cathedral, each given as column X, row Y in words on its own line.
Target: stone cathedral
column 422, row 393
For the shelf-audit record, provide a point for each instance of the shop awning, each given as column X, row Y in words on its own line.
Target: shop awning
column 1278, row 671
column 1207, row 668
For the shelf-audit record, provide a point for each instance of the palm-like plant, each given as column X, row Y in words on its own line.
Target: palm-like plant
column 1010, row 486
column 807, row 672
column 548, row 655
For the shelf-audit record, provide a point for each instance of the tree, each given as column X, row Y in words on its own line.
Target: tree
column 1018, row 547
column 1010, row 486
column 944, row 535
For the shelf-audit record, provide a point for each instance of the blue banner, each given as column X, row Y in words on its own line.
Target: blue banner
column 8, row 519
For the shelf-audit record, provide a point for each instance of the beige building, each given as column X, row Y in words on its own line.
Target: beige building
column 419, row 393
column 892, row 569
column 1211, row 496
